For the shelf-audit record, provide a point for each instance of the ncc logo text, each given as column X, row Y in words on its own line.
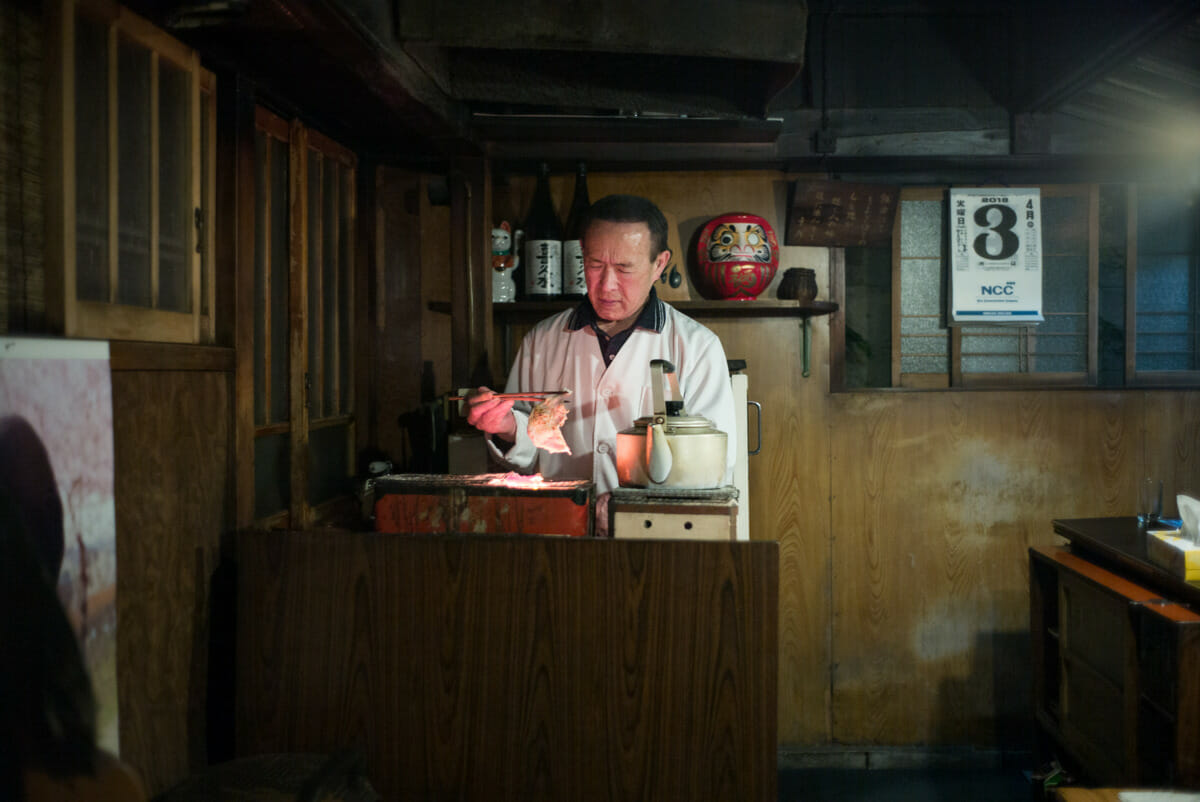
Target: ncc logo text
column 1008, row 288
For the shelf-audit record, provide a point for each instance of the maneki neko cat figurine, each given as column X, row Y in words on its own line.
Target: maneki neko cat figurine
column 504, row 262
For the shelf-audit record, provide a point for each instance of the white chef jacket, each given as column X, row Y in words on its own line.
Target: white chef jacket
column 607, row 400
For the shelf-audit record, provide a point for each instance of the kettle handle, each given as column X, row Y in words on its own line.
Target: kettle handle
column 657, row 368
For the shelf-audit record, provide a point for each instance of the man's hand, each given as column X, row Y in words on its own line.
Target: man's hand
column 491, row 415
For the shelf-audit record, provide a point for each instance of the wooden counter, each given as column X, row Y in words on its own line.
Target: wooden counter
column 514, row 668
column 1116, row 674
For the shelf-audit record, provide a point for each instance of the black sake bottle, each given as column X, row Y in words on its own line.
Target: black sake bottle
column 573, row 283
column 542, row 259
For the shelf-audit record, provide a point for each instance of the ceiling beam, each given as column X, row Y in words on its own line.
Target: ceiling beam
column 1127, row 38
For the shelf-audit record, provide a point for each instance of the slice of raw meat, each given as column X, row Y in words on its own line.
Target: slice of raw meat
column 545, row 424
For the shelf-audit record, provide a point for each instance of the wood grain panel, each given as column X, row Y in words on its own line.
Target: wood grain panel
column 789, row 503
column 396, row 310
column 938, row 497
column 789, row 481
column 1172, row 444
column 171, row 450
column 903, row 519
column 435, row 286
column 515, row 668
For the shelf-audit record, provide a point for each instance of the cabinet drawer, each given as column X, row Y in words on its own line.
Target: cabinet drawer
column 1093, row 720
column 1094, row 627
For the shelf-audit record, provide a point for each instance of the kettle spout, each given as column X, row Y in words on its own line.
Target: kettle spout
column 658, row 454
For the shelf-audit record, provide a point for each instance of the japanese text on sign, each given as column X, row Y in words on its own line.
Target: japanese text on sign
column 836, row 213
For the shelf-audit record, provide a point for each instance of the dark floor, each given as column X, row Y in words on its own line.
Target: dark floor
column 904, row 785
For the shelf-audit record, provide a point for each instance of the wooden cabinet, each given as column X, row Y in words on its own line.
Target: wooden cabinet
column 1116, row 679
column 515, row 668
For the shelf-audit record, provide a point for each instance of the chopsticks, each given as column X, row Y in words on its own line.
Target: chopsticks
column 530, row 396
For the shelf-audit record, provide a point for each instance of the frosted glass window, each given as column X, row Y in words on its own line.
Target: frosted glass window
column 1166, row 336
column 132, row 164
column 924, row 339
column 911, row 363
column 207, row 217
column 262, row 237
column 922, row 325
column 91, row 161
column 133, row 175
column 345, row 265
column 261, row 246
column 316, row 387
column 1168, row 310
column 1058, row 345
column 271, row 280
column 330, row 198
column 330, row 257
column 314, row 208
column 279, row 283
column 174, row 166
column 1114, row 199
column 921, row 228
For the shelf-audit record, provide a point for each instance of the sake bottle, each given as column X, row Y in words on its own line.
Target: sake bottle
column 543, row 243
column 573, row 283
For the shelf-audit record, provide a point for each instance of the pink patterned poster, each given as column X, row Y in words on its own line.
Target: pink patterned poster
column 56, row 433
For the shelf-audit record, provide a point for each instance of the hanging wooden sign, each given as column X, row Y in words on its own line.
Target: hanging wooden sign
column 838, row 213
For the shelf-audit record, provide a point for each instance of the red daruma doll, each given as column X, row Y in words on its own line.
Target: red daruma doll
column 738, row 256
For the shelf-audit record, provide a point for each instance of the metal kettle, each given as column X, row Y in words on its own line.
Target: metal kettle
column 670, row 448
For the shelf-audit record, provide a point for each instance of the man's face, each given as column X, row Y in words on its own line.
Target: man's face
column 620, row 270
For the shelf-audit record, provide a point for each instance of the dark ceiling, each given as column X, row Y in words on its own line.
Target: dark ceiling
column 756, row 82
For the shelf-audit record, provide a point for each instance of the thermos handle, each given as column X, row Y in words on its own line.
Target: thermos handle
column 758, row 420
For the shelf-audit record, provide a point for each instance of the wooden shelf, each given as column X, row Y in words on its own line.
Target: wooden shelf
column 536, row 310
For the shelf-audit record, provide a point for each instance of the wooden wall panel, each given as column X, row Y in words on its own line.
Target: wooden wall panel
column 904, row 519
column 435, row 286
column 396, row 306
column 172, row 490
column 789, row 503
column 485, row 668
column 789, row 481
column 937, row 497
column 1172, row 444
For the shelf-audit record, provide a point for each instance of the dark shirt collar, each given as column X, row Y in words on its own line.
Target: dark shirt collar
column 652, row 316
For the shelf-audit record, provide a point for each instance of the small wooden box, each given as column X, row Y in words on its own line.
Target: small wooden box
column 660, row 518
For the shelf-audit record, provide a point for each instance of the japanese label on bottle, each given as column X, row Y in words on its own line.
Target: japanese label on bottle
column 543, row 267
column 573, row 282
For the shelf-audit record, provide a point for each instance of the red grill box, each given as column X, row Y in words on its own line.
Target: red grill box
column 413, row 503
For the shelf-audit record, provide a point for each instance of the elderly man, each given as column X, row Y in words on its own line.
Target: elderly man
column 601, row 351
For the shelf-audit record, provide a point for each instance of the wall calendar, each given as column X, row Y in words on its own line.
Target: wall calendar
column 995, row 256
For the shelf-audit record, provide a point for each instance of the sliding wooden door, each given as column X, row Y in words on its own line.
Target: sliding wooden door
column 303, row 322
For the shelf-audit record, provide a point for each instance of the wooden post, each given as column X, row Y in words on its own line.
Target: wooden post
column 470, row 257
column 234, row 218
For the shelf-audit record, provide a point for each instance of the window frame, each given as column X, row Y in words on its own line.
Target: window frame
column 954, row 378
column 77, row 317
column 1089, row 376
column 1179, row 379
column 302, row 142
